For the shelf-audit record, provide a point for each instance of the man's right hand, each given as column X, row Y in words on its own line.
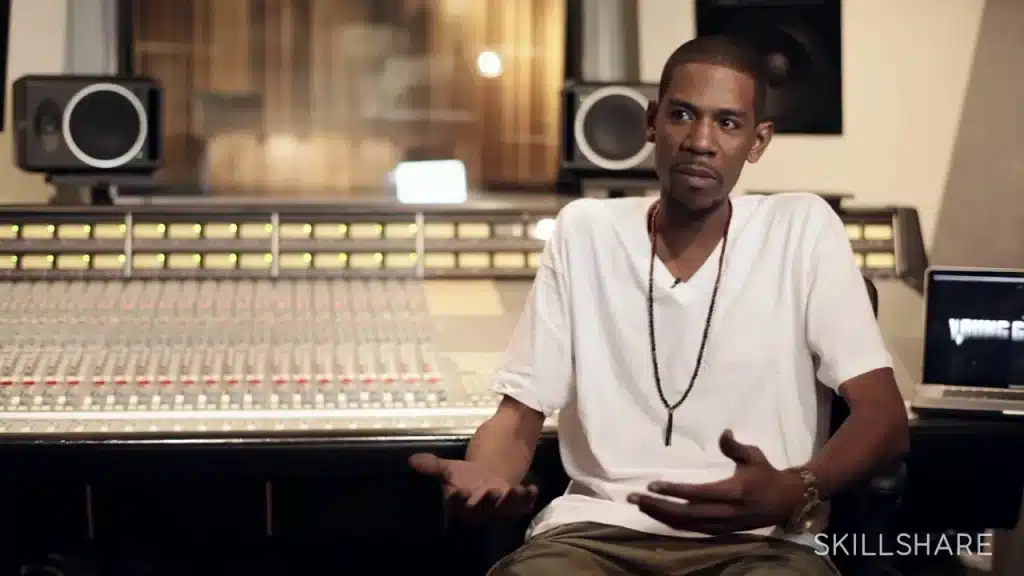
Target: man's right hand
column 472, row 492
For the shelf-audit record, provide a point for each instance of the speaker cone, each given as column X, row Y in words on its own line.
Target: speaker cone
column 105, row 125
column 609, row 128
column 798, row 75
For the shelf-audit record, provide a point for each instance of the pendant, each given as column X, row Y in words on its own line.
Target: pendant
column 668, row 429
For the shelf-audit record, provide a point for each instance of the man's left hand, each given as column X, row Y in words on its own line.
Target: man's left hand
column 758, row 495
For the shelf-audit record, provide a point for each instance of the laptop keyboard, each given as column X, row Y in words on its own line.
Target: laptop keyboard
column 975, row 394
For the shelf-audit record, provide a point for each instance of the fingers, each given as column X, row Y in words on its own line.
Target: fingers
column 704, row 518
column 728, row 491
column 491, row 500
column 519, row 501
column 739, row 453
column 429, row 464
column 486, row 495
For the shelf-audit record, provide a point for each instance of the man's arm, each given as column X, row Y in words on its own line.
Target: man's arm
column 844, row 334
column 505, row 443
column 535, row 377
column 874, row 435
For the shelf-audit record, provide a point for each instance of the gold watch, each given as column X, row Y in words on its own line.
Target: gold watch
column 805, row 516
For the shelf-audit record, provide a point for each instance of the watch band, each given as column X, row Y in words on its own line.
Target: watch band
column 804, row 517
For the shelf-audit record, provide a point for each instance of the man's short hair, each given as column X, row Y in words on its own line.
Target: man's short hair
column 725, row 51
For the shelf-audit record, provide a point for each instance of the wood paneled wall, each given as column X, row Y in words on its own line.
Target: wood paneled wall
column 324, row 96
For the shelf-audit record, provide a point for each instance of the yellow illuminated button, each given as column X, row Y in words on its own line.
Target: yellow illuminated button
column 108, row 261
column 474, row 230
column 73, row 261
column 38, row 231
column 8, row 261
column 183, row 261
column 184, row 231
column 330, row 261
column 148, row 231
column 880, row 260
column 854, row 231
column 365, row 231
column 474, row 260
column 220, row 230
column 220, row 261
column 144, row 261
column 37, row 262
column 329, row 231
column 255, row 230
column 255, row 261
column 73, row 231
column 439, row 260
column 509, row 260
column 877, row 232
column 366, row 260
column 400, row 230
column 109, row 231
column 296, row 261
column 9, row 231
column 439, row 230
column 293, row 231
column 509, row 230
column 399, row 260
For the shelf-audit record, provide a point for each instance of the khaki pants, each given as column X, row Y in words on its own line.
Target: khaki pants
column 597, row 550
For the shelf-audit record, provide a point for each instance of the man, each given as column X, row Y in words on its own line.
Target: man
column 682, row 340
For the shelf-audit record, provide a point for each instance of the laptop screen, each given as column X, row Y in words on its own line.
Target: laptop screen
column 974, row 334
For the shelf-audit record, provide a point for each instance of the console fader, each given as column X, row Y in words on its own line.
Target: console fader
column 208, row 356
column 269, row 320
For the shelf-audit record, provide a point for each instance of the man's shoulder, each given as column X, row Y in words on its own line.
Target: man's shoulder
column 798, row 204
column 800, row 213
column 584, row 215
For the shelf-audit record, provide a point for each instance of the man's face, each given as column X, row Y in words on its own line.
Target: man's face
column 704, row 130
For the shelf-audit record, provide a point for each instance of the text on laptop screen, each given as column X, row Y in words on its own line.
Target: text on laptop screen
column 975, row 329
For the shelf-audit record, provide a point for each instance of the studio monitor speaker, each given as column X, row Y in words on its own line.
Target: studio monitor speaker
column 604, row 130
column 801, row 41
column 80, row 125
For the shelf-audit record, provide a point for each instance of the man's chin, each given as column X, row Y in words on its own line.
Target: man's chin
column 698, row 199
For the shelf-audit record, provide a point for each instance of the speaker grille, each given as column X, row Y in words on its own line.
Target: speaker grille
column 610, row 128
column 105, row 125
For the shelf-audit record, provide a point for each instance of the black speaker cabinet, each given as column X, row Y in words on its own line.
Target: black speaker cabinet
column 801, row 41
column 79, row 125
column 604, row 130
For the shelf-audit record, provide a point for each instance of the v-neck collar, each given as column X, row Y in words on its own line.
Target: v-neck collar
column 664, row 281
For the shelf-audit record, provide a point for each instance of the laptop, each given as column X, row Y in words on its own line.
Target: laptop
column 973, row 342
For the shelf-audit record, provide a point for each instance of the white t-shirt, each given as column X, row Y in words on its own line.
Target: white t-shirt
column 792, row 311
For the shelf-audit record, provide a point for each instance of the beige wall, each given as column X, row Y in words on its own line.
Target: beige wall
column 983, row 203
column 905, row 74
column 37, row 46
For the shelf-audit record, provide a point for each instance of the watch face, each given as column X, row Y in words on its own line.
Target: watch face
column 808, row 516
column 806, row 523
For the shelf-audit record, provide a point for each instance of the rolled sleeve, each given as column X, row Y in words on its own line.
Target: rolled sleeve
column 842, row 330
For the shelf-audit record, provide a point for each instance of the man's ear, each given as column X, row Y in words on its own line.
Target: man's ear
column 652, row 115
column 762, row 137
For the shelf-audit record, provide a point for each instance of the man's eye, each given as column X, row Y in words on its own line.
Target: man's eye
column 680, row 115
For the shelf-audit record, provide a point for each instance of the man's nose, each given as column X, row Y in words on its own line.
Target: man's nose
column 700, row 139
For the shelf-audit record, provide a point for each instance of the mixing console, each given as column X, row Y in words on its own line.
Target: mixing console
column 227, row 356
column 228, row 319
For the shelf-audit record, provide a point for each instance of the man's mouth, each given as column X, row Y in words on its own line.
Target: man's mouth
column 696, row 176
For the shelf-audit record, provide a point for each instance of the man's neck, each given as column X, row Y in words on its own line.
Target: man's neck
column 680, row 227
